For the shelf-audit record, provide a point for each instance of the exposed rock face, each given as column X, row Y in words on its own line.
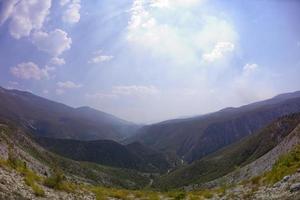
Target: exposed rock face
column 262, row 164
column 283, row 190
column 295, row 187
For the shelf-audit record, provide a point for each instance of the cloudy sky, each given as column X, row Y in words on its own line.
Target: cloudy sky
column 151, row 60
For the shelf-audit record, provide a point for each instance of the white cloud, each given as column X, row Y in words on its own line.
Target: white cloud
column 30, row 70
column 68, row 85
column 57, row 61
column 219, row 51
column 125, row 91
column 172, row 3
column 99, row 58
column 64, row 2
column 54, row 43
column 155, row 28
column 7, row 8
column 135, row 90
column 100, row 96
column 249, row 68
column 72, row 14
column 13, row 85
column 59, row 91
column 24, row 16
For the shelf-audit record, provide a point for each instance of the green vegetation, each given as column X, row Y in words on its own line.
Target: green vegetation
column 58, row 181
column 31, row 180
column 30, row 177
column 102, row 193
column 232, row 157
column 286, row 165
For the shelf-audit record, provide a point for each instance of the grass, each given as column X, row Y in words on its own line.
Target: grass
column 30, row 177
column 123, row 194
column 58, row 181
column 31, row 180
column 286, row 165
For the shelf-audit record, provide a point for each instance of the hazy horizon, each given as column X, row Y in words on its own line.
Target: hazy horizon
column 148, row 61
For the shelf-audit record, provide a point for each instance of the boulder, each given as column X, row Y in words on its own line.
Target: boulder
column 286, row 178
column 295, row 187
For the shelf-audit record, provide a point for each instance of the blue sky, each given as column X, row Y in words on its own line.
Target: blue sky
column 151, row 60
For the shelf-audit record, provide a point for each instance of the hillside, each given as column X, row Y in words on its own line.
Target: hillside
column 109, row 153
column 194, row 138
column 35, row 167
column 33, row 180
column 19, row 143
column 46, row 118
column 234, row 156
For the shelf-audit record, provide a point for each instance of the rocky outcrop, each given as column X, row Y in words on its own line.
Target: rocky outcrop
column 283, row 190
column 12, row 187
column 265, row 162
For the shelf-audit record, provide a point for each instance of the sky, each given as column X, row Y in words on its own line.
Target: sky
column 151, row 60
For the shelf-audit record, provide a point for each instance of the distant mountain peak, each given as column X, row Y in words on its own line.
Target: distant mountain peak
column 288, row 95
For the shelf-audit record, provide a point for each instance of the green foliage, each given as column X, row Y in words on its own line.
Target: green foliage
column 30, row 177
column 13, row 161
column 58, row 181
column 255, row 180
column 103, row 193
column 177, row 195
column 55, row 180
column 286, row 165
column 231, row 158
column 180, row 196
column 31, row 180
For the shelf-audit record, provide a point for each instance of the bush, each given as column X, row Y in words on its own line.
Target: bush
column 55, row 180
column 31, row 179
column 58, row 181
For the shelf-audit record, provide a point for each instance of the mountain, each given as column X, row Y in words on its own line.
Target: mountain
column 194, row 138
column 30, row 172
column 51, row 119
column 18, row 149
column 34, row 165
column 234, row 156
column 109, row 153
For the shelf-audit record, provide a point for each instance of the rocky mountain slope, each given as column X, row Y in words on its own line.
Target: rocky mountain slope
column 18, row 181
column 15, row 141
column 194, row 138
column 263, row 164
column 252, row 156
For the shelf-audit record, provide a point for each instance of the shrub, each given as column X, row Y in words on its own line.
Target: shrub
column 58, row 181
column 55, row 180
column 31, row 179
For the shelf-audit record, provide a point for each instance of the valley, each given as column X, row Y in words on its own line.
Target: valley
column 242, row 153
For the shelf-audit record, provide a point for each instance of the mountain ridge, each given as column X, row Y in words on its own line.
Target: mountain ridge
column 51, row 119
column 239, row 154
column 196, row 137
